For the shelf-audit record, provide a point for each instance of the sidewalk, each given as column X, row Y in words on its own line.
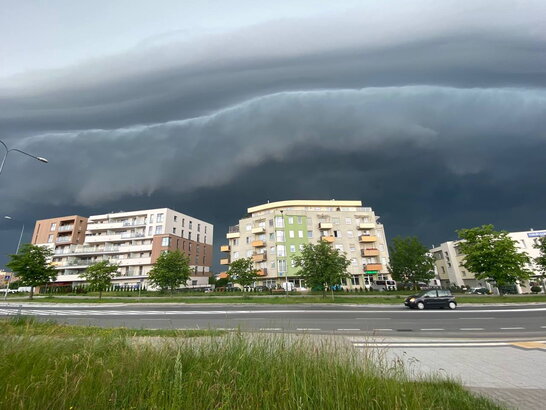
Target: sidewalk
column 512, row 374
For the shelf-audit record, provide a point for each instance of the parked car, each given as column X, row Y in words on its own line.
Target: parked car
column 479, row 291
column 435, row 298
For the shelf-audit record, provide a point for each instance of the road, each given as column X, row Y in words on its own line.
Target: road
column 509, row 321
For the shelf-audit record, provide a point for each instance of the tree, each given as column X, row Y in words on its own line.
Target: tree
column 493, row 255
column 322, row 266
column 410, row 262
column 171, row 270
column 33, row 266
column 242, row 271
column 99, row 275
column 541, row 260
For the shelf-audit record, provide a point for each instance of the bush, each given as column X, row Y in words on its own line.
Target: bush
column 536, row 289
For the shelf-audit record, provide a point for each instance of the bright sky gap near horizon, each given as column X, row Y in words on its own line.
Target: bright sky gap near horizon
column 432, row 113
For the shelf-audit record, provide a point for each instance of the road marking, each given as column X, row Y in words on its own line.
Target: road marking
column 543, row 327
column 226, row 328
column 348, row 330
column 155, row 319
column 270, row 328
column 511, row 328
column 373, row 318
column 476, row 318
column 383, row 330
column 430, row 330
column 441, row 344
column 306, row 328
column 471, row 328
column 530, row 345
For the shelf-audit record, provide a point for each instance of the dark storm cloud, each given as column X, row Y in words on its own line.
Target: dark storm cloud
column 452, row 45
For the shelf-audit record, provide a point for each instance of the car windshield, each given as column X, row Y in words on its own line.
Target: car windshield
column 431, row 293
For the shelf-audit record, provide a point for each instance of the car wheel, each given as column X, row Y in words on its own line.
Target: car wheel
column 420, row 305
column 452, row 305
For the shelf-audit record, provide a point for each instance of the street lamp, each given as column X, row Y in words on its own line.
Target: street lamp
column 8, row 150
column 16, row 252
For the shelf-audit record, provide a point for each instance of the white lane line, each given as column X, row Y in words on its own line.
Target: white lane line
column 270, row 328
column 226, row 328
column 383, row 330
column 447, row 344
column 476, row 318
column 471, row 328
column 155, row 319
column 348, row 330
column 432, row 329
column 373, row 318
column 307, row 328
column 512, row 328
column 543, row 327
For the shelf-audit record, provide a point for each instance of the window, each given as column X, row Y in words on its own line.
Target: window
column 348, row 221
column 353, row 261
column 339, row 247
column 50, row 238
column 159, row 218
column 198, row 227
column 335, row 221
column 183, row 222
column 290, row 220
column 280, row 236
column 300, row 220
column 309, row 234
column 52, row 227
column 337, row 234
column 249, row 253
column 152, row 218
column 235, row 242
column 301, row 247
column 189, row 236
column 198, row 237
column 236, row 255
column 190, row 224
column 292, row 248
column 166, row 241
column 205, row 229
column 158, row 229
column 271, row 236
column 175, row 218
column 281, row 250
column 282, row 266
column 352, row 248
column 349, row 234
column 247, row 239
column 279, row 222
column 271, row 222
column 174, row 230
column 291, row 234
column 300, row 234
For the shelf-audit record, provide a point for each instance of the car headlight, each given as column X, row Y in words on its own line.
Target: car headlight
column 412, row 300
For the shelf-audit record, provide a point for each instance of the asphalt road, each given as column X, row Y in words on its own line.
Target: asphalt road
column 519, row 321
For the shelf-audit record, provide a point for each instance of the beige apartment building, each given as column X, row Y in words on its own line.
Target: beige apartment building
column 133, row 240
column 273, row 233
column 448, row 262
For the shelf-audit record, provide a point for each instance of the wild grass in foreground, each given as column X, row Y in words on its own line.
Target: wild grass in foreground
column 32, row 327
column 232, row 372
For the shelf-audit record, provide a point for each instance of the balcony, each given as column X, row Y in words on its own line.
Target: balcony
column 258, row 244
column 366, row 225
column 135, row 223
column 62, row 239
column 367, row 238
column 259, row 257
column 258, row 230
column 233, row 235
column 369, row 252
column 373, row 267
column 329, row 239
column 66, row 228
column 262, row 272
column 224, row 261
column 325, row 225
column 225, row 248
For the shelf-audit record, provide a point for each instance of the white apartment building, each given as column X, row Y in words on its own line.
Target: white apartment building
column 448, row 261
column 273, row 233
column 133, row 240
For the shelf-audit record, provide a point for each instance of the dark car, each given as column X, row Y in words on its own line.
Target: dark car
column 436, row 298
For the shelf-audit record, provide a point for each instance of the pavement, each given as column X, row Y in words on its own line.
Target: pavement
column 511, row 373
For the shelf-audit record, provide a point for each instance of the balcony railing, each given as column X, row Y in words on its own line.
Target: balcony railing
column 225, row 248
column 259, row 257
column 369, row 252
column 62, row 239
column 233, row 229
column 66, row 228
column 325, row 225
column 224, row 261
column 258, row 244
column 367, row 238
column 329, row 239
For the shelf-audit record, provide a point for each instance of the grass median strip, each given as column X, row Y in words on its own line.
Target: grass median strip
column 232, row 372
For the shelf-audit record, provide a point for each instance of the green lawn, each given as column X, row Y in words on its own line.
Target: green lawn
column 113, row 371
column 295, row 299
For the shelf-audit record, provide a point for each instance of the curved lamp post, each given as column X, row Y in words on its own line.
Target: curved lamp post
column 16, row 252
column 8, row 150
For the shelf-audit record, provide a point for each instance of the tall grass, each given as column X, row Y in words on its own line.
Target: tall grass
column 233, row 372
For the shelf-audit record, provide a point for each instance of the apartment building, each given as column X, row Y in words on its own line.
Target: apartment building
column 133, row 240
column 448, row 261
column 274, row 233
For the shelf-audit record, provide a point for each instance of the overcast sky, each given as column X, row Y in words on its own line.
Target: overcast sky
column 433, row 113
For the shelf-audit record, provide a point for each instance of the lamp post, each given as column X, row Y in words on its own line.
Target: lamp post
column 16, row 252
column 8, row 150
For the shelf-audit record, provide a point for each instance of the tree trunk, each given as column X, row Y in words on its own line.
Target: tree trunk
column 332, row 291
column 100, row 294
column 31, row 292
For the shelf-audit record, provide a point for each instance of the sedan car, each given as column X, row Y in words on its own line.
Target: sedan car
column 436, row 298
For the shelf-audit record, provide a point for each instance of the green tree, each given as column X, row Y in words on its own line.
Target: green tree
column 242, row 271
column 32, row 266
column 171, row 270
column 322, row 266
column 410, row 262
column 540, row 261
column 493, row 255
column 99, row 275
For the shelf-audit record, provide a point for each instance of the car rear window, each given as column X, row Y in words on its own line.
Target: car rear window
column 444, row 293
